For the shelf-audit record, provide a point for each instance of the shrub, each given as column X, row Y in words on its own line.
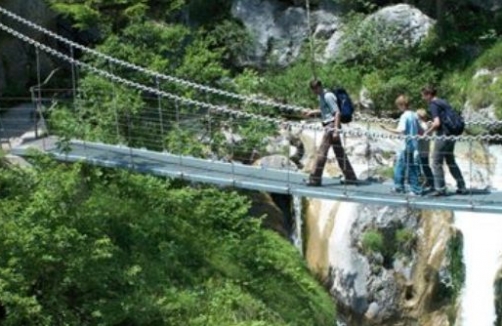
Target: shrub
column 490, row 59
column 406, row 77
column 373, row 241
column 405, row 239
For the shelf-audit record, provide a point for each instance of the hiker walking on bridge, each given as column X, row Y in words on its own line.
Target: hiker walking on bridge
column 444, row 122
column 331, row 121
column 406, row 161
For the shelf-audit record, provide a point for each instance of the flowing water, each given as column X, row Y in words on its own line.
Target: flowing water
column 482, row 257
column 297, row 227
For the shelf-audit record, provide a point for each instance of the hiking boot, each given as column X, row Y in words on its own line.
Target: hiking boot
column 428, row 189
column 312, row 183
column 350, row 182
column 397, row 191
column 438, row 193
column 462, row 191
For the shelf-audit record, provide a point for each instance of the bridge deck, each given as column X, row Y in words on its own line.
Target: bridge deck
column 255, row 178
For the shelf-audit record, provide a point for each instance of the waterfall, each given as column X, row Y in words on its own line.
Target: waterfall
column 482, row 251
column 296, row 237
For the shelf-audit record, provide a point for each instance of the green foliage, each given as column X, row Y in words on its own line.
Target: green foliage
column 391, row 242
column 85, row 15
column 405, row 241
column 451, row 279
column 456, row 264
column 491, row 58
column 374, row 43
column 405, row 77
column 183, row 141
column 110, row 16
column 85, row 246
column 385, row 171
column 201, row 61
column 482, row 91
column 292, row 85
column 373, row 241
column 234, row 40
column 205, row 12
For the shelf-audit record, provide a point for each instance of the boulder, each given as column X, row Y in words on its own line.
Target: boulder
column 402, row 24
column 279, row 30
column 411, row 24
column 276, row 162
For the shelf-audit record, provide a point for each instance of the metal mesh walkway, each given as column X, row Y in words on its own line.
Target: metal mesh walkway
column 254, row 178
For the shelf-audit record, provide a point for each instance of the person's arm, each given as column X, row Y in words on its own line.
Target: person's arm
column 401, row 126
column 392, row 130
column 330, row 99
column 311, row 113
column 436, row 122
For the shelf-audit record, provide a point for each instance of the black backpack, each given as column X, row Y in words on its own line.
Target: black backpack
column 344, row 103
column 451, row 121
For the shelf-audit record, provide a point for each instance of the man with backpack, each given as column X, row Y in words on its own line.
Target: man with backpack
column 333, row 110
column 445, row 122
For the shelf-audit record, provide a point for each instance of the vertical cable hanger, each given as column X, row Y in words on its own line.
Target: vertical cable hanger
column 311, row 40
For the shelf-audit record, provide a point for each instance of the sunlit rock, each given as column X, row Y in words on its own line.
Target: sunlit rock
column 279, row 30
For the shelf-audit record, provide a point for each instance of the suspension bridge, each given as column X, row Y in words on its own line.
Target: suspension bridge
column 151, row 137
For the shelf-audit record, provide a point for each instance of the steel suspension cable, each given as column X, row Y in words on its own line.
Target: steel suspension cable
column 311, row 39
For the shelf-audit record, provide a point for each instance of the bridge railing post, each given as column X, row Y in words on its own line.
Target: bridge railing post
column 179, row 146
column 115, row 109
column 471, row 157
column 161, row 115
column 77, row 109
column 232, row 150
column 288, row 160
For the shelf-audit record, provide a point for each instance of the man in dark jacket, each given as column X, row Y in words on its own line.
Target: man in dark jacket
column 443, row 149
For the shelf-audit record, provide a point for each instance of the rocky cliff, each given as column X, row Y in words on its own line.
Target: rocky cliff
column 17, row 71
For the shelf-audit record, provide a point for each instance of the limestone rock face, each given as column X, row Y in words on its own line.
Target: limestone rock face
column 411, row 23
column 480, row 105
column 388, row 287
column 17, row 59
column 279, row 30
column 404, row 24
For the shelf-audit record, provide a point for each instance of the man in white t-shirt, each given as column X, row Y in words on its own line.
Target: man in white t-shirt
column 409, row 126
column 330, row 115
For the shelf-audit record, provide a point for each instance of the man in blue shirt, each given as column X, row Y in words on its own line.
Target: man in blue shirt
column 330, row 115
column 443, row 149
